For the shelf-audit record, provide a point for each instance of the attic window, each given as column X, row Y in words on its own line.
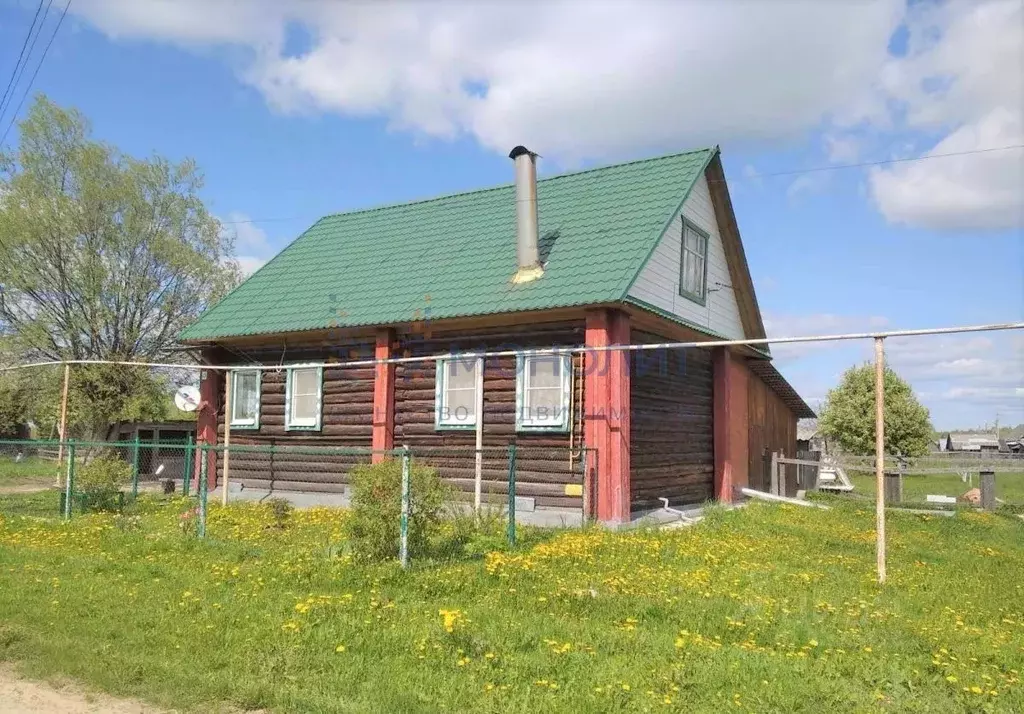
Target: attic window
column 693, row 265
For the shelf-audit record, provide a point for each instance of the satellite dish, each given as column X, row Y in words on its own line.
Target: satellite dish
column 187, row 398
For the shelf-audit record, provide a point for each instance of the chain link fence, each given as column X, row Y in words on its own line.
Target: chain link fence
column 519, row 483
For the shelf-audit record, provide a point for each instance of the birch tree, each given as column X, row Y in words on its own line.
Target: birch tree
column 102, row 256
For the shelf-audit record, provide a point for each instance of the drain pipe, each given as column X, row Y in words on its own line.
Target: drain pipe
column 682, row 516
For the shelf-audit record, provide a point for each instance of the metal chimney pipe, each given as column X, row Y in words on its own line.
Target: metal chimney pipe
column 527, row 229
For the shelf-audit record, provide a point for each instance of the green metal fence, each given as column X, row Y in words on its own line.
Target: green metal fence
column 519, row 482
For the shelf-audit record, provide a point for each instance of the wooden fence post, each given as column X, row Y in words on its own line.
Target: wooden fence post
column 774, row 474
column 893, row 487
column 988, row 490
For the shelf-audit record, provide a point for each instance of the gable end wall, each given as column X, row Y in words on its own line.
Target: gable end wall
column 658, row 282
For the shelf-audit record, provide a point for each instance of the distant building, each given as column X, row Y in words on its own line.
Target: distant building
column 809, row 437
column 972, row 442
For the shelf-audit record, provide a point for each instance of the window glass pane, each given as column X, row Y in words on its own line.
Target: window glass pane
column 543, row 395
column 461, row 405
column 688, row 272
column 692, row 239
column 304, row 386
column 695, row 241
column 459, row 395
column 303, row 407
column 693, row 273
column 244, row 399
column 461, row 373
column 304, row 381
column 545, row 371
column 544, row 405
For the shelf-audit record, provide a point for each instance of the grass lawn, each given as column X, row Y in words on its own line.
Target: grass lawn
column 27, row 471
column 768, row 608
column 1009, row 486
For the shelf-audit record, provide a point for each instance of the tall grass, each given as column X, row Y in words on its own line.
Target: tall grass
column 763, row 609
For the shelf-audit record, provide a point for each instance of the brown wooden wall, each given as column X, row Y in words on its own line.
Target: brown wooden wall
column 772, row 427
column 544, row 463
column 671, row 435
column 347, row 421
column 544, row 466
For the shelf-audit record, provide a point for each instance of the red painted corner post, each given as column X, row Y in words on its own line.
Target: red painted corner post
column 210, row 382
column 606, row 412
column 383, row 397
column 729, row 413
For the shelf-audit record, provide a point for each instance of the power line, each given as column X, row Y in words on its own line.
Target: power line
column 28, row 56
column 789, row 172
column 9, row 90
column 530, row 352
column 883, row 162
column 32, row 79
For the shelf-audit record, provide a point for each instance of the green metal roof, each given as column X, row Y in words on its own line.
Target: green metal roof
column 455, row 256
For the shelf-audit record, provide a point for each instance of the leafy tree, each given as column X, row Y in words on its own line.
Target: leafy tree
column 102, row 256
column 848, row 415
column 13, row 412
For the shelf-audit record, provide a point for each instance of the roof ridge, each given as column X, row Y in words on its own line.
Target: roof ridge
column 476, row 191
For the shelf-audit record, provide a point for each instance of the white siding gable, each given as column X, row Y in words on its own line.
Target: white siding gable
column 658, row 282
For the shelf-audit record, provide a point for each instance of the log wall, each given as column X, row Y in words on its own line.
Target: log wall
column 347, row 421
column 771, row 427
column 545, row 463
column 671, row 437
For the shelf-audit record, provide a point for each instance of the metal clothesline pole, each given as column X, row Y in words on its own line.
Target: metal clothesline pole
column 708, row 344
column 227, row 446
column 63, row 419
column 880, row 458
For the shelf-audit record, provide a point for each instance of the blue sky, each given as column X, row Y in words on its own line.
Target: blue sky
column 294, row 110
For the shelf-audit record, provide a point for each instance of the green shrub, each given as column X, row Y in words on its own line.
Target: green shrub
column 281, row 509
column 469, row 534
column 100, row 482
column 373, row 526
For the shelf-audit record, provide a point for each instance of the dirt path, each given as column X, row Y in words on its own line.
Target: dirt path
column 21, row 696
column 27, row 487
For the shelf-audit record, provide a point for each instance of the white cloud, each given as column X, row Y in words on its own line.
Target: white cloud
column 808, row 183
column 842, row 149
column 961, row 375
column 983, row 190
column 577, row 80
column 964, row 379
column 569, row 79
column 787, row 325
column 962, row 77
column 252, row 246
column 249, row 264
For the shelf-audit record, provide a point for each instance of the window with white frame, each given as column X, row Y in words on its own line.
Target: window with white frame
column 458, row 383
column 693, row 267
column 245, row 398
column 303, row 397
column 543, row 392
